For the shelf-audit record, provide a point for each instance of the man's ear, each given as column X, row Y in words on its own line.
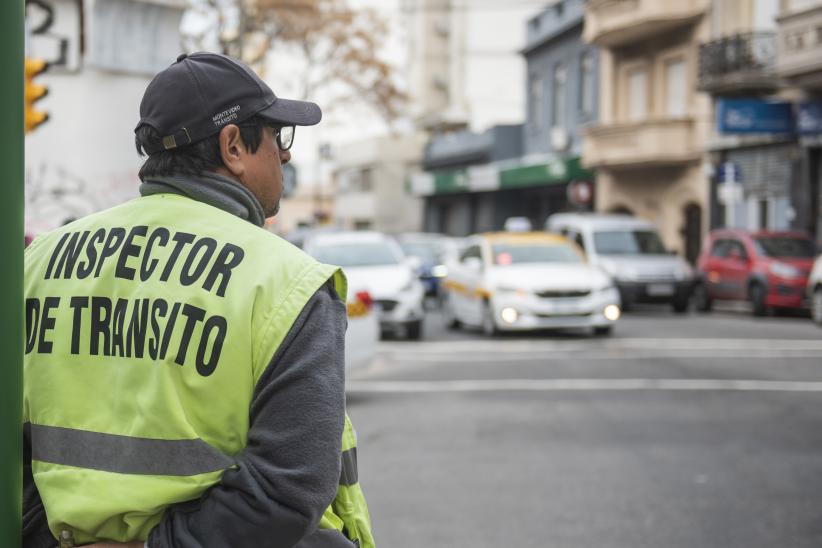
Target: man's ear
column 232, row 150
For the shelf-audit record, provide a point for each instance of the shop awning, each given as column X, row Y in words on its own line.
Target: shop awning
column 489, row 177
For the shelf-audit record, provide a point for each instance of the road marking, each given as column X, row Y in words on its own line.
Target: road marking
column 514, row 346
column 552, row 355
column 559, row 385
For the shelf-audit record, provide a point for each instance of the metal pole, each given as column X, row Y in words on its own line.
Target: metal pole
column 11, row 274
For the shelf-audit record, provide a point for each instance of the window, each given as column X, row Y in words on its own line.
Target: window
column 720, row 248
column 637, row 95
column 472, row 251
column 536, row 101
column 628, row 242
column 558, row 96
column 587, row 93
column 765, row 12
column 676, row 88
column 735, row 247
column 575, row 237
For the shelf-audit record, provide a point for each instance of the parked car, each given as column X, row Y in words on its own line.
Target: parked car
column 375, row 263
column 632, row 253
column 815, row 291
column 522, row 281
column 429, row 250
column 768, row 269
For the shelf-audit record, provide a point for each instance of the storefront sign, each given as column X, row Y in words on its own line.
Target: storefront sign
column 754, row 116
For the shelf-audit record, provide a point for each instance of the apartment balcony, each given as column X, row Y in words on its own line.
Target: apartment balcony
column 611, row 23
column 739, row 64
column 649, row 143
column 799, row 46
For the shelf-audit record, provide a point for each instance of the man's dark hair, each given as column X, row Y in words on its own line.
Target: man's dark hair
column 193, row 159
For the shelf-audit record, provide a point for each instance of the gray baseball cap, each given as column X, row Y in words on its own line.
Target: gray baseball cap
column 202, row 92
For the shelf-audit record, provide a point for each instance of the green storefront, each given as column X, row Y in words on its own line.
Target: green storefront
column 480, row 198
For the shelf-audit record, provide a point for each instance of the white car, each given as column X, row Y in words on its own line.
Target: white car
column 375, row 263
column 523, row 281
column 631, row 251
column 815, row 291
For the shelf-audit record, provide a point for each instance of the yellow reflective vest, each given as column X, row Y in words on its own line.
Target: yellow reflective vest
column 159, row 295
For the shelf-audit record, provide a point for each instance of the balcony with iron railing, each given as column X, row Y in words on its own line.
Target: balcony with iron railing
column 611, row 23
column 738, row 64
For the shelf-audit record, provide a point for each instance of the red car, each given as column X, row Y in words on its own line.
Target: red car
column 768, row 269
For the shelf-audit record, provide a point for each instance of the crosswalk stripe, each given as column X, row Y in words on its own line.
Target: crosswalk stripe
column 514, row 346
column 549, row 385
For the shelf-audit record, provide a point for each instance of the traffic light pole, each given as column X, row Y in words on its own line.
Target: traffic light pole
column 11, row 274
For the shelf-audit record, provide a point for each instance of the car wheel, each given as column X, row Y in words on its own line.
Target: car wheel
column 489, row 326
column 757, row 297
column 603, row 330
column 816, row 306
column 702, row 300
column 448, row 314
column 413, row 330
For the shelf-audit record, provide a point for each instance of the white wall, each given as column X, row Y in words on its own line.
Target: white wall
column 83, row 158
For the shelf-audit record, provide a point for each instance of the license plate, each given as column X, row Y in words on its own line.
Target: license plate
column 565, row 308
column 660, row 290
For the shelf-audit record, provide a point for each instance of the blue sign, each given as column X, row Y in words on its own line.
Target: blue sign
column 809, row 118
column 728, row 172
column 754, row 116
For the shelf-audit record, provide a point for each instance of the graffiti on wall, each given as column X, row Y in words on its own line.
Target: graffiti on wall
column 56, row 195
column 53, row 32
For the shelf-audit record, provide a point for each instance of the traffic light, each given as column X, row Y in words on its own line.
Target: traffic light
column 34, row 92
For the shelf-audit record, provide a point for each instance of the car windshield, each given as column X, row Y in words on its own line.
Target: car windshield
column 355, row 254
column 799, row 248
column 508, row 254
column 428, row 252
column 628, row 242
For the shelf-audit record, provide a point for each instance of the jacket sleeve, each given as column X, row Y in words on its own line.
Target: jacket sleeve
column 35, row 533
column 288, row 474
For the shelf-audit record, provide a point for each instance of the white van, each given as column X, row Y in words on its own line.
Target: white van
column 632, row 253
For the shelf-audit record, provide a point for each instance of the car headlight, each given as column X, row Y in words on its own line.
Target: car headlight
column 782, row 270
column 439, row 271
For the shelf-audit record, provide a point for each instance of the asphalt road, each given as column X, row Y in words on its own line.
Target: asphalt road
column 692, row 431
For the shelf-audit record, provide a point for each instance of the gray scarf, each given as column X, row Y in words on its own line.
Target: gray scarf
column 212, row 189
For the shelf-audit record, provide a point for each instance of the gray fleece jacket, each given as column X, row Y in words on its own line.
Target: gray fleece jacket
column 259, row 503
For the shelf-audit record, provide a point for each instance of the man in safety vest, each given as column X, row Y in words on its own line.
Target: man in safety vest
column 184, row 375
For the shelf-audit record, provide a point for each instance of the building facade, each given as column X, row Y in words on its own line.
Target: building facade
column 370, row 184
column 475, row 181
column 799, row 64
column 647, row 147
column 757, row 165
column 102, row 55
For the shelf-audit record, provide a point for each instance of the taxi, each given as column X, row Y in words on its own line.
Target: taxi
column 505, row 281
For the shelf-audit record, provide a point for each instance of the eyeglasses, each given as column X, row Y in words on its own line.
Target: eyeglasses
column 284, row 136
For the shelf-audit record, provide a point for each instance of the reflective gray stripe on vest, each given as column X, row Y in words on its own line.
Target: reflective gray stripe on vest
column 125, row 454
column 348, row 470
